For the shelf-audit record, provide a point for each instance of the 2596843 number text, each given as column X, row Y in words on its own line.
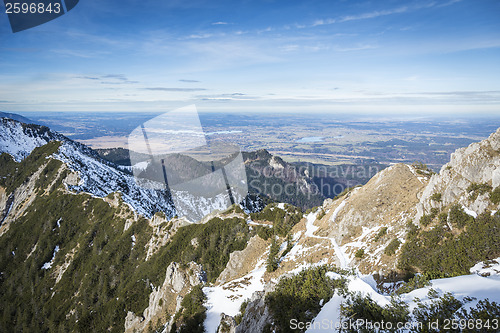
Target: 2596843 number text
column 32, row 8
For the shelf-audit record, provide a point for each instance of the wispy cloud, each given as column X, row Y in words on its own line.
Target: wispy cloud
column 411, row 78
column 374, row 14
column 200, row 36
column 99, row 39
column 320, row 22
column 175, row 89
column 356, row 48
column 88, row 78
column 228, row 52
column 189, row 81
column 290, row 47
column 379, row 13
column 362, row 16
column 220, row 23
column 21, row 49
column 86, row 54
column 486, row 94
column 108, row 79
column 227, row 97
column 497, row 92
column 439, row 97
column 451, row 2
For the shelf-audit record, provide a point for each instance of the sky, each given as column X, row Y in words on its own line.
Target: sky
column 371, row 57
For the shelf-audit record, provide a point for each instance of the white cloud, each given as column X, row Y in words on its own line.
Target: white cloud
column 355, row 48
column 379, row 13
column 374, row 14
column 411, row 78
column 200, row 36
column 86, row 54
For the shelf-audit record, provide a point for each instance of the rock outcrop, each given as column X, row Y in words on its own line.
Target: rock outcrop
column 227, row 324
column 256, row 315
column 479, row 163
column 242, row 262
column 167, row 297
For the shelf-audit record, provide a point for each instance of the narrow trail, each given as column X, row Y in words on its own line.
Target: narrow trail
column 311, row 229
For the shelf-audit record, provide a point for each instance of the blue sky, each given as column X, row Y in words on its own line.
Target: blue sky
column 396, row 57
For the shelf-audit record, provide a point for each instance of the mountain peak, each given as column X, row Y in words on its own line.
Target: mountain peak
column 479, row 163
column 95, row 176
column 17, row 117
column 19, row 139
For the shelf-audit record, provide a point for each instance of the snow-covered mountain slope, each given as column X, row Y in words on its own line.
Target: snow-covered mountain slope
column 19, row 139
column 367, row 219
column 100, row 177
column 474, row 285
column 96, row 176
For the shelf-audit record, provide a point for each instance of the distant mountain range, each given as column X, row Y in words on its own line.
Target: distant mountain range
column 15, row 117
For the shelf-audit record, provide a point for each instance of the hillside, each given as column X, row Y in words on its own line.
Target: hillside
column 82, row 249
column 309, row 184
column 266, row 175
column 94, row 175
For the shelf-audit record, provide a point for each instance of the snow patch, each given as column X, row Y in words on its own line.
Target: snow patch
column 337, row 210
column 227, row 298
column 304, row 266
column 49, row 264
column 310, row 227
column 330, row 313
column 333, row 275
column 469, row 212
column 491, row 267
column 141, row 166
column 460, row 287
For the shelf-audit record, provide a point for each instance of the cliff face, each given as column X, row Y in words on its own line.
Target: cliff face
column 479, row 163
column 166, row 298
column 268, row 175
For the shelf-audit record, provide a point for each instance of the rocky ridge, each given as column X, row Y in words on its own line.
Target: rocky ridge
column 94, row 174
column 371, row 217
column 479, row 163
